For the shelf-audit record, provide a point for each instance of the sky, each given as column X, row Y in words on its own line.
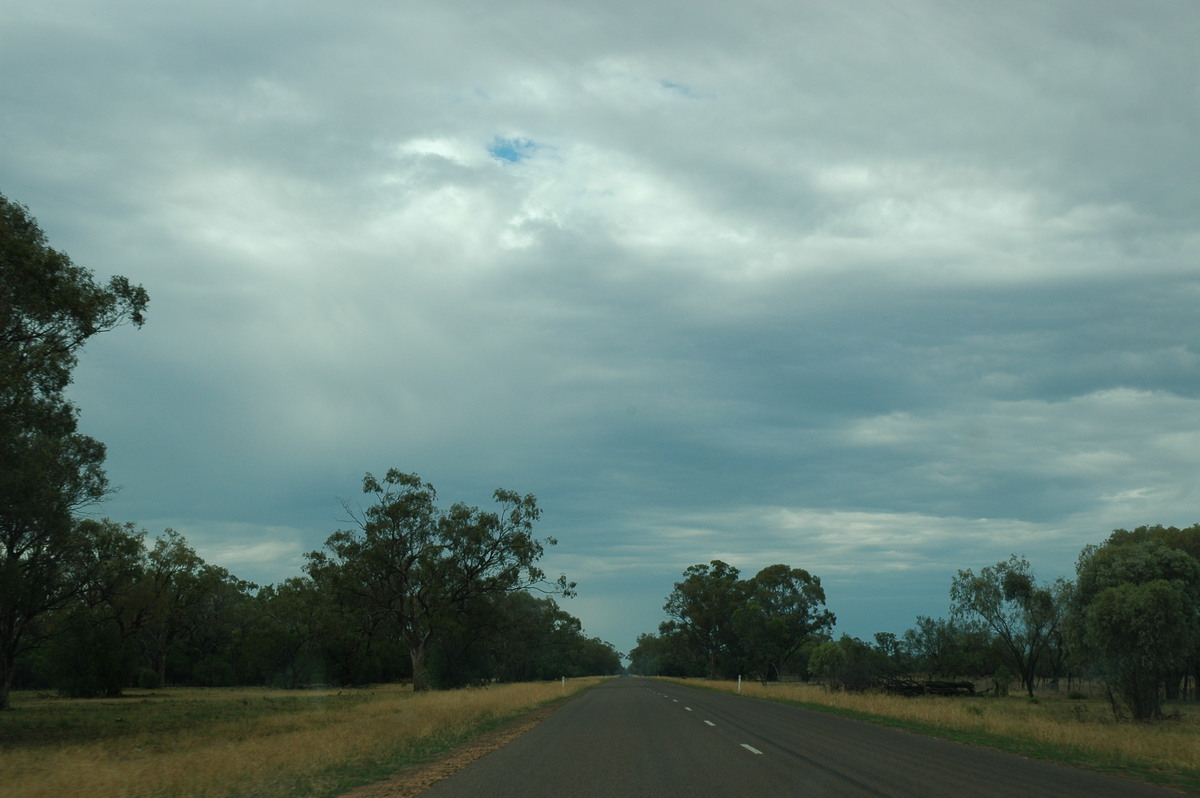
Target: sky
column 881, row 290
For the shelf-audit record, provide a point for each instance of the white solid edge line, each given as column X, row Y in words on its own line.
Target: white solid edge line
column 751, row 749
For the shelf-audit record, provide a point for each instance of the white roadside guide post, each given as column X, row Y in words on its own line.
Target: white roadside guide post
column 739, row 684
column 564, row 684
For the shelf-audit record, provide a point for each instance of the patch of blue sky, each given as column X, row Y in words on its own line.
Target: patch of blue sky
column 512, row 150
column 678, row 88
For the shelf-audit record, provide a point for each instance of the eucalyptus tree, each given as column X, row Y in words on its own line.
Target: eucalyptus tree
column 782, row 609
column 1135, row 616
column 177, row 581
column 1023, row 616
column 413, row 566
column 49, row 308
column 702, row 606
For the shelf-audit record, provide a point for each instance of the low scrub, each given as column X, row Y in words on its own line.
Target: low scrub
column 231, row 742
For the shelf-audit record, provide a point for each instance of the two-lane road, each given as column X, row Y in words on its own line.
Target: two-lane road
column 648, row 738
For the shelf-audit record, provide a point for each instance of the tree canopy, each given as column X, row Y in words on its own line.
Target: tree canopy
column 49, row 308
column 421, row 569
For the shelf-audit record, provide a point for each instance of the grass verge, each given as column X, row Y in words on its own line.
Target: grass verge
column 244, row 742
column 1078, row 733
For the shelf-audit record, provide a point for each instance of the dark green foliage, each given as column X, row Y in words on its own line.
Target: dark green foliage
column 782, row 609
column 49, row 308
column 414, row 568
column 702, row 606
column 750, row 626
column 669, row 653
column 1136, row 618
column 848, row 664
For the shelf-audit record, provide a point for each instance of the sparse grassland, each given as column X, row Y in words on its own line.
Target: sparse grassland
column 244, row 741
column 1078, row 732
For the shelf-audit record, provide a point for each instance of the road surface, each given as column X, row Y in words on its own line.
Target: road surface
column 640, row 737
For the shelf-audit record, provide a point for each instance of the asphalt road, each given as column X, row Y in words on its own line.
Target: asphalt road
column 647, row 738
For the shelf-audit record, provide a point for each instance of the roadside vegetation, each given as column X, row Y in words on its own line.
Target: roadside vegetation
column 1075, row 728
column 1130, row 620
column 245, row 741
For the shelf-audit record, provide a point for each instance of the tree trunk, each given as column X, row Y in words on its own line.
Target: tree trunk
column 418, row 652
column 6, row 677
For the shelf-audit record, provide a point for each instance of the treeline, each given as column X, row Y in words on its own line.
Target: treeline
column 1130, row 619
column 151, row 615
column 444, row 597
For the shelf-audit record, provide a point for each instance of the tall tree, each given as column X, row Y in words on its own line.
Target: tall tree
column 49, row 308
column 174, row 588
column 418, row 567
column 783, row 608
column 1023, row 615
column 702, row 605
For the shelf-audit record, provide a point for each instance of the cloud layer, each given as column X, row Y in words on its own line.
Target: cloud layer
column 878, row 291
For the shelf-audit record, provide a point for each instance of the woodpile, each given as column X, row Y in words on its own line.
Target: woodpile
column 901, row 685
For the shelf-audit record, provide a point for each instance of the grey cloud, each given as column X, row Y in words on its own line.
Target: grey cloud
column 826, row 285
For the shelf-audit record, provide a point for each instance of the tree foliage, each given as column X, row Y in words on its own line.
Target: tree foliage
column 420, row 570
column 49, row 308
column 782, row 610
column 1023, row 615
column 1136, row 618
column 702, row 605
column 753, row 625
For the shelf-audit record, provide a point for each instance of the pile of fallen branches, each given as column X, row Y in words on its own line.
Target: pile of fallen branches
column 902, row 685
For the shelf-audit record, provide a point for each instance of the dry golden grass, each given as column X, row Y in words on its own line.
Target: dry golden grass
column 302, row 750
column 1053, row 720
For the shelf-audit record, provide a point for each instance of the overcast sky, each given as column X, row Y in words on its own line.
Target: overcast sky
column 881, row 290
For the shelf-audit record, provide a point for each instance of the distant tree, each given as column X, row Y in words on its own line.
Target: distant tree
column 49, row 308
column 949, row 647
column 94, row 651
column 848, row 664
column 412, row 565
column 291, row 621
column 782, row 608
column 213, row 647
column 537, row 639
column 1023, row 616
column 174, row 588
column 668, row 653
column 702, row 606
column 1135, row 616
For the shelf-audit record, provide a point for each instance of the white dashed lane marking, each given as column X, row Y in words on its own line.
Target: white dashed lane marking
column 751, row 749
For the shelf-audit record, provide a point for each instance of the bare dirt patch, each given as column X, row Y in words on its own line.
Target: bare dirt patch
column 416, row 779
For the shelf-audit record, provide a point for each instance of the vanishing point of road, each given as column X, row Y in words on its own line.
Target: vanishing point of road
column 640, row 737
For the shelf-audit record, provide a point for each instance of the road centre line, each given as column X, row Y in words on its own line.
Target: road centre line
column 751, row 749
column 710, row 723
